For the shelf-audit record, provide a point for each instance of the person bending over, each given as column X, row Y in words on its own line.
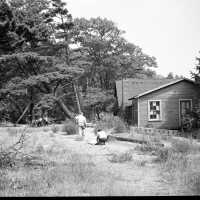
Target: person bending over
column 101, row 137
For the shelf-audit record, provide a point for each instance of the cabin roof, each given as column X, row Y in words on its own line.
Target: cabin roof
column 135, row 88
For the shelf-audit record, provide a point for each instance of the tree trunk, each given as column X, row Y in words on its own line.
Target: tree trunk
column 25, row 110
column 77, row 97
column 64, row 108
column 31, row 112
column 31, row 105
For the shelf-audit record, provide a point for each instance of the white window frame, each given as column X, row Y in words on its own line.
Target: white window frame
column 160, row 119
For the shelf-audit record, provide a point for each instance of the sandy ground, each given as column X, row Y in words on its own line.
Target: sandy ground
column 140, row 175
column 141, row 180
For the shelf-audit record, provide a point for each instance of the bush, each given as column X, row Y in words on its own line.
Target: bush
column 12, row 131
column 198, row 136
column 121, row 157
column 149, row 147
column 6, row 159
column 45, row 129
column 9, row 155
column 70, row 127
column 193, row 181
column 163, row 154
column 112, row 122
column 180, row 166
column 55, row 129
column 181, row 146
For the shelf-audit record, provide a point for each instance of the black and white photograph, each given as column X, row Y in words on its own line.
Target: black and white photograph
column 99, row 98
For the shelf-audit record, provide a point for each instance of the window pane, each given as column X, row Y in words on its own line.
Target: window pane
column 154, row 111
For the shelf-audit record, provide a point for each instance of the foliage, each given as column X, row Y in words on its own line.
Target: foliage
column 11, row 37
column 39, row 63
column 183, row 147
column 163, row 154
column 111, row 55
column 55, row 129
column 149, row 147
column 170, row 75
column 112, row 122
column 32, row 15
column 181, row 171
column 31, row 77
column 70, row 127
column 121, row 157
column 9, row 155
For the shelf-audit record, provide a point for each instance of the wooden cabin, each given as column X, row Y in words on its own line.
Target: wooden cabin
column 158, row 103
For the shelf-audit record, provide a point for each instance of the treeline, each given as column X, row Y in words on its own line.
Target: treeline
column 45, row 54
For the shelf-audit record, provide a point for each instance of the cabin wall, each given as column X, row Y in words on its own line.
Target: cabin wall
column 134, row 112
column 169, row 97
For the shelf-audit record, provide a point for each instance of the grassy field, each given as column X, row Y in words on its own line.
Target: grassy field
column 50, row 163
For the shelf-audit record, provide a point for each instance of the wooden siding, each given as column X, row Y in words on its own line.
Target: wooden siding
column 169, row 97
column 134, row 112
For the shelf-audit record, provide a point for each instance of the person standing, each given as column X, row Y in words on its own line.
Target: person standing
column 81, row 121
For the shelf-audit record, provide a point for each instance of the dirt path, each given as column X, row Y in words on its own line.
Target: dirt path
column 140, row 174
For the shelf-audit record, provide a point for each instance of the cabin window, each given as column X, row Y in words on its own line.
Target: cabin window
column 154, row 110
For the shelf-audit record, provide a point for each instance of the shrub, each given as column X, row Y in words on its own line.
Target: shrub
column 180, row 167
column 55, row 129
column 181, row 146
column 148, row 147
column 163, row 154
column 4, row 180
column 121, row 157
column 193, row 181
column 12, row 131
column 6, row 159
column 198, row 136
column 45, row 129
column 112, row 122
column 141, row 163
column 8, row 155
column 70, row 128
column 39, row 149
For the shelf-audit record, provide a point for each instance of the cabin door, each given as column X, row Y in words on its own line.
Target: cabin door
column 185, row 106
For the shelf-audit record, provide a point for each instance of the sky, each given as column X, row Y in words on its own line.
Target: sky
column 169, row 30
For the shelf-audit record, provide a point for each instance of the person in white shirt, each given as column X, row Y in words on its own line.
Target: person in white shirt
column 81, row 121
column 101, row 137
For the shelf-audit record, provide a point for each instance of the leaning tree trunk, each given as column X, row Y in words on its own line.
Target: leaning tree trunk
column 31, row 105
column 64, row 108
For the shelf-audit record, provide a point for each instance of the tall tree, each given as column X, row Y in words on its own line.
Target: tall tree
column 110, row 54
column 170, row 75
column 30, row 77
column 11, row 34
column 196, row 74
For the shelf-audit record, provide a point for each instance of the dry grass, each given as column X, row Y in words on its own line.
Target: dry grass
column 51, row 169
column 54, row 129
column 70, row 128
column 121, row 157
column 180, row 166
column 179, row 163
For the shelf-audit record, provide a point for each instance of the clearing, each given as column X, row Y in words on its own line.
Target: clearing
column 92, row 170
